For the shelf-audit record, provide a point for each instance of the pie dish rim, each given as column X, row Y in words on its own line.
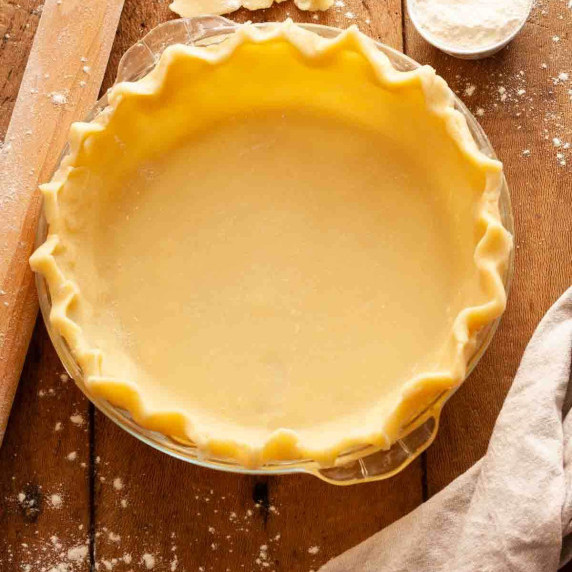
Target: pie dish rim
column 224, row 26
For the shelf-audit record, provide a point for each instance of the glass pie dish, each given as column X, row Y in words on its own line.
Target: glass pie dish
column 362, row 463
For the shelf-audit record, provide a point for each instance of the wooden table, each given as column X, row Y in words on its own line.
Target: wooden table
column 71, row 479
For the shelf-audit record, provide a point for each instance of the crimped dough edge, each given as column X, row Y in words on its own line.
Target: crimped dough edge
column 419, row 393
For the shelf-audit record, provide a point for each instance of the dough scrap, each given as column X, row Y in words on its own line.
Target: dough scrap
column 193, row 8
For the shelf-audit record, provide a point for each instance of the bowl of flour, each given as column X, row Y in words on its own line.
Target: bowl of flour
column 469, row 29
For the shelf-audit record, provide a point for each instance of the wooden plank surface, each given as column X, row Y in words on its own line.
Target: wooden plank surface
column 132, row 507
column 44, row 469
column 522, row 110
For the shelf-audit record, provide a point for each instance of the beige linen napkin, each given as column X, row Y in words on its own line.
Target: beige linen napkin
column 512, row 509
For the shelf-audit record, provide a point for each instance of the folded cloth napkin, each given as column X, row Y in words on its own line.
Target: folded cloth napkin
column 512, row 510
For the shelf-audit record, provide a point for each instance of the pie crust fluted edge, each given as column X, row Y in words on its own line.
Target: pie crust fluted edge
column 491, row 256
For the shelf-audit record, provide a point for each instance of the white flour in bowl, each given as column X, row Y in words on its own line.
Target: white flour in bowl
column 469, row 24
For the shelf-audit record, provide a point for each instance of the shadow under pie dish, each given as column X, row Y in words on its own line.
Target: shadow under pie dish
column 277, row 247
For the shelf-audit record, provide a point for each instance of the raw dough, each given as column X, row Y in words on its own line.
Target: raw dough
column 192, row 8
column 277, row 247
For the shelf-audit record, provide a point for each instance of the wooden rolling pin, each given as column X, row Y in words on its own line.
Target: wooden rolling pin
column 60, row 85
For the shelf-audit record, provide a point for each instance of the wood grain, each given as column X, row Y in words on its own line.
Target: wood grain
column 541, row 191
column 218, row 520
column 160, row 503
column 60, row 84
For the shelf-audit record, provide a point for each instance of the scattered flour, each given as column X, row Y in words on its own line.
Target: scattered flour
column 55, row 500
column 114, row 537
column 58, row 98
column 77, row 553
column 148, row 560
column 52, row 555
column 470, row 90
column 77, row 419
column 313, row 550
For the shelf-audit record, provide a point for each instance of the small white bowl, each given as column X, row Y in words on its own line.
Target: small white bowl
column 465, row 54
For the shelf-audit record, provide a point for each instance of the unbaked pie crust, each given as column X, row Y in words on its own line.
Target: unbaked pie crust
column 278, row 247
